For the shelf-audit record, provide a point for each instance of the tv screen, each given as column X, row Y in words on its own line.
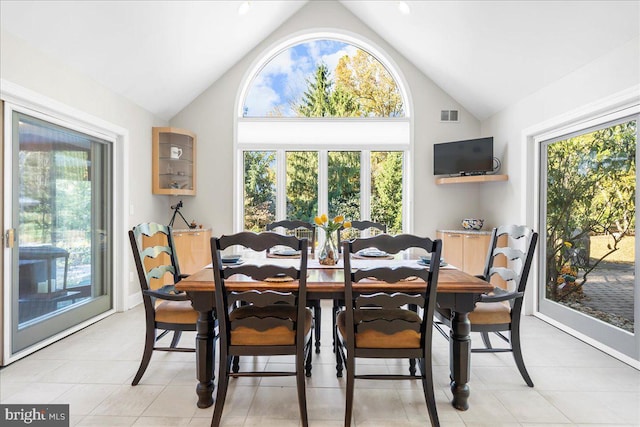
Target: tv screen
column 468, row 157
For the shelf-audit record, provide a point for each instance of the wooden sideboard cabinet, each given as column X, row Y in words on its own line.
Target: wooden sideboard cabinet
column 464, row 249
column 193, row 247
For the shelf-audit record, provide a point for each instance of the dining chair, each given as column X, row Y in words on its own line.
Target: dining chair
column 165, row 308
column 347, row 233
column 268, row 318
column 357, row 228
column 303, row 229
column 378, row 324
column 500, row 310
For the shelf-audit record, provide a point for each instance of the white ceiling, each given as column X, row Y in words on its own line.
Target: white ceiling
column 162, row 54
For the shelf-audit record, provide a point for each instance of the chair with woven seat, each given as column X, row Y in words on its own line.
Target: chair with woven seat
column 165, row 309
column 500, row 310
column 377, row 324
column 265, row 318
column 302, row 229
column 356, row 230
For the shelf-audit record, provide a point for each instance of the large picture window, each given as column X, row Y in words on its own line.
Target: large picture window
column 323, row 127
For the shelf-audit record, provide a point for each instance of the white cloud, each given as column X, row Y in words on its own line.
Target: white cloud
column 283, row 78
column 261, row 98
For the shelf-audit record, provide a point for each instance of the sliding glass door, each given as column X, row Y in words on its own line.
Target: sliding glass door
column 61, row 260
column 588, row 214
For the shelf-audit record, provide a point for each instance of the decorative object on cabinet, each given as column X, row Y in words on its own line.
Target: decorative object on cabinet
column 176, row 211
column 465, row 249
column 472, row 223
column 174, row 162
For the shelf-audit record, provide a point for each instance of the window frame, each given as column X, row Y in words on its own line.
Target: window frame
column 323, row 134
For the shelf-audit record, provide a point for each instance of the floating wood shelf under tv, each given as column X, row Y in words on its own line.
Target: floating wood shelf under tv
column 471, row 178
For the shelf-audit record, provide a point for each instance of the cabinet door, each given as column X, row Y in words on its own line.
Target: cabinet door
column 174, row 162
column 475, row 252
column 193, row 249
column 452, row 249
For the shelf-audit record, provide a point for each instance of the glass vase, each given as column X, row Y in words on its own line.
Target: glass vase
column 329, row 254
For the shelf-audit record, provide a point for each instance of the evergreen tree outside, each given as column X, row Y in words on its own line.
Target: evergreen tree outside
column 386, row 189
column 316, row 100
column 259, row 189
column 302, row 185
column 344, row 184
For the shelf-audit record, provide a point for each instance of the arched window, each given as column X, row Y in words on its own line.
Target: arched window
column 322, row 127
column 323, row 78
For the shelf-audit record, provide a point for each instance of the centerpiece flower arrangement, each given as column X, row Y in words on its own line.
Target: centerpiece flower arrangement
column 329, row 253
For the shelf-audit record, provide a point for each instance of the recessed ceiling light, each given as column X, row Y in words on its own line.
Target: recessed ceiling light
column 404, row 8
column 244, row 8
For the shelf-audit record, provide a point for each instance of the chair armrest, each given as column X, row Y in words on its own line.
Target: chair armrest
column 167, row 292
column 500, row 294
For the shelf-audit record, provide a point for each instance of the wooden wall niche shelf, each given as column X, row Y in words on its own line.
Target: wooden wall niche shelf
column 174, row 162
column 471, row 178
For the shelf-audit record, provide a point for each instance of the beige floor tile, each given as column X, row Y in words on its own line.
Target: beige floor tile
column 128, row 400
column 239, row 400
column 161, row 421
column 415, row 406
column 92, row 371
column 270, row 422
column 592, row 407
column 325, row 404
column 173, row 401
column 107, row 421
column 36, row 392
column 529, row 406
column 29, row 370
column 485, row 408
column 84, row 398
column 275, row 403
column 370, row 404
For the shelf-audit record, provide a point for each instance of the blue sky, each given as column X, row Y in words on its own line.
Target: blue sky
column 283, row 78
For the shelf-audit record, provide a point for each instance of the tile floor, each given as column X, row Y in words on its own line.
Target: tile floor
column 92, row 371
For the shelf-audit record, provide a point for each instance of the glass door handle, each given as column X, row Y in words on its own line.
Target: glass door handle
column 10, row 238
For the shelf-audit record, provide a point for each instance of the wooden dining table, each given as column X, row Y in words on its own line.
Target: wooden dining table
column 457, row 290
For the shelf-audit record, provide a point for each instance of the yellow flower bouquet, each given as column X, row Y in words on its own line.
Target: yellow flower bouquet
column 329, row 254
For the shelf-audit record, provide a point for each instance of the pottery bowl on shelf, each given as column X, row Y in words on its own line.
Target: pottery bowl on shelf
column 472, row 223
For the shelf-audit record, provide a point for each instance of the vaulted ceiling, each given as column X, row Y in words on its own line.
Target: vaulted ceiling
column 162, row 54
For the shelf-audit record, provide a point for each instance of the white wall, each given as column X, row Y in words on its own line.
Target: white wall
column 31, row 69
column 575, row 97
column 211, row 117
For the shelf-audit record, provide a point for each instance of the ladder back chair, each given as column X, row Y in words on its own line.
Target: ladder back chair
column 379, row 324
column 302, row 229
column 165, row 308
column 357, row 228
column 350, row 233
column 266, row 319
column 500, row 311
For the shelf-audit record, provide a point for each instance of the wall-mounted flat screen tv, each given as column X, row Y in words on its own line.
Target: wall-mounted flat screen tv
column 467, row 157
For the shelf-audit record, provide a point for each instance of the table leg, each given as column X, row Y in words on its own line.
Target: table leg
column 460, row 359
column 205, row 356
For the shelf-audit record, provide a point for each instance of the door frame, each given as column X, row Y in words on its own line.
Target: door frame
column 618, row 105
column 25, row 100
